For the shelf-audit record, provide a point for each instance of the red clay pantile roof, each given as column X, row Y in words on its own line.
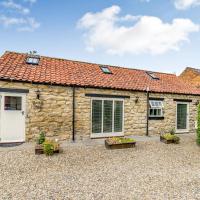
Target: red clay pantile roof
column 66, row 72
column 192, row 76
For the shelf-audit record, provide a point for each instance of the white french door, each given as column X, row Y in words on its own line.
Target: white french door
column 182, row 117
column 107, row 117
column 12, row 117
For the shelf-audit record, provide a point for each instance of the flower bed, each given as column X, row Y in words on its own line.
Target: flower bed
column 119, row 143
column 169, row 138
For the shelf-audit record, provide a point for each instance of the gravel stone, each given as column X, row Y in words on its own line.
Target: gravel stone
column 152, row 170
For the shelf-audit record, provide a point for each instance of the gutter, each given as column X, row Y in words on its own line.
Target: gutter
column 96, row 87
column 73, row 113
column 147, row 122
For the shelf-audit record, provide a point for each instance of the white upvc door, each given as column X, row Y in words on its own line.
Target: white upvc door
column 107, row 117
column 182, row 117
column 12, row 117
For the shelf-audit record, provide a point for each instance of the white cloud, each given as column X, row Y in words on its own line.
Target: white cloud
column 20, row 19
column 10, row 4
column 146, row 35
column 23, row 24
column 30, row 1
column 8, row 21
column 31, row 25
column 185, row 4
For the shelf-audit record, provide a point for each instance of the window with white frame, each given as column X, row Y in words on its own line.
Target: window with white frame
column 107, row 116
column 156, row 108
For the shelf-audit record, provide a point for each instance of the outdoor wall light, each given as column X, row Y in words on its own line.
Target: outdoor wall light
column 136, row 99
column 38, row 94
column 197, row 103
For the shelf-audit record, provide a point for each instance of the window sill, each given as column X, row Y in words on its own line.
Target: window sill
column 104, row 135
column 156, row 118
column 181, row 131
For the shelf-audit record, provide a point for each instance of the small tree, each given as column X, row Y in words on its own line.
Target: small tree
column 198, row 126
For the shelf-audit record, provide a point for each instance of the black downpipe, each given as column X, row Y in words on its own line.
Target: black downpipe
column 147, row 127
column 73, row 115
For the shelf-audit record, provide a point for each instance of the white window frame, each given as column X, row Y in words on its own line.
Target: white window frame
column 33, row 60
column 105, row 70
column 156, row 107
column 113, row 133
column 188, row 116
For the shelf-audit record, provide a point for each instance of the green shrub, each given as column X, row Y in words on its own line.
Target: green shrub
column 41, row 138
column 171, row 137
column 48, row 148
column 198, row 126
column 120, row 140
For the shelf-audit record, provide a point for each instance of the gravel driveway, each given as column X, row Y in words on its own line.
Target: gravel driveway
column 152, row 170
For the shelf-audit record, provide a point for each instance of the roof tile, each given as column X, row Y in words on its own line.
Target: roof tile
column 68, row 72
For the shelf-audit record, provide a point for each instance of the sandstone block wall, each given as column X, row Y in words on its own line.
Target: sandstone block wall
column 53, row 112
column 134, row 112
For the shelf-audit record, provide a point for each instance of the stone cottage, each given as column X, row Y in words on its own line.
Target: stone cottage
column 71, row 100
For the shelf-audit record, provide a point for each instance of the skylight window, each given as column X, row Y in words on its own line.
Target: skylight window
column 153, row 75
column 32, row 60
column 105, row 70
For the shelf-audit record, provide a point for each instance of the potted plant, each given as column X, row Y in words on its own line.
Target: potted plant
column 49, row 147
column 119, row 143
column 169, row 138
column 39, row 142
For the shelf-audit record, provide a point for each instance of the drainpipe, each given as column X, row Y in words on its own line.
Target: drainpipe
column 73, row 114
column 147, row 125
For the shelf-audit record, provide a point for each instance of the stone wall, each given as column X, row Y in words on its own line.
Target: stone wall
column 53, row 114
column 134, row 113
column 169, row 122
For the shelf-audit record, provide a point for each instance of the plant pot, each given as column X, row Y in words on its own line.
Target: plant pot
column 119, row 145
column 39, row 149
column 162, row 139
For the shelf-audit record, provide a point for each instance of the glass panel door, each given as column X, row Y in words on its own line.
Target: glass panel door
column 118, row 116
column 96, row 116
column 182, row 116
column 107, row 116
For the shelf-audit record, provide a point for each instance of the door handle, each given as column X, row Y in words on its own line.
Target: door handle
column 22, row 112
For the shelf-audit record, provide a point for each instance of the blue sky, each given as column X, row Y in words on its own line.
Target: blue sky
column 147, row 34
